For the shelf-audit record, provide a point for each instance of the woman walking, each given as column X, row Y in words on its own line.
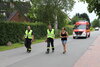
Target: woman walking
column 64, row 35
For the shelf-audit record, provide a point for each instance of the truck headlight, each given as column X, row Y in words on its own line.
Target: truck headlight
column 84, row 33
column 73, row 33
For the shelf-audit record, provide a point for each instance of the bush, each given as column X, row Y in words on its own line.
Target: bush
column 91, row 28
column 57, row 33
column 69, row 29
column 14, row 32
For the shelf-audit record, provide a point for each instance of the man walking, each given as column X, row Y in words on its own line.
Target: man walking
column 50, row 39
column 29, row 38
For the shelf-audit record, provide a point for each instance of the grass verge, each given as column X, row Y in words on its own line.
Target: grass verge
column 17, row 45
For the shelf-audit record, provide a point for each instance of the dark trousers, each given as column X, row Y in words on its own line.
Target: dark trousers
column 28, row 43
column 50, row 41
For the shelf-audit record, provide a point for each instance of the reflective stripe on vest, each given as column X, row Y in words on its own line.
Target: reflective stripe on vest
column 50, row 34
column 28, row 34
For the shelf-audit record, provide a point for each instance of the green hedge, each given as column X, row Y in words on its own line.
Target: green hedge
column 14, row 32
column 69, row 29
column 91, row 28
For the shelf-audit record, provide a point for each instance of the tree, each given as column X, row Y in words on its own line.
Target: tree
column 47, row 10
column 85, row 17
column 75, row 19
column 78, row 17
column 96, row 23
column 62, row 19
column 93, row 5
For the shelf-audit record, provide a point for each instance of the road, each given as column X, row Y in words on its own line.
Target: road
column 37, row 58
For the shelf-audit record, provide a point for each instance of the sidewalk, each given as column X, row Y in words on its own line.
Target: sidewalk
column 92, row 56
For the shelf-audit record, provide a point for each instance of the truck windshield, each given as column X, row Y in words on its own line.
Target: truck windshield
column 80, row 27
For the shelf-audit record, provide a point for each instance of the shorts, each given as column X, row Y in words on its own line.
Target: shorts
column 64, row 42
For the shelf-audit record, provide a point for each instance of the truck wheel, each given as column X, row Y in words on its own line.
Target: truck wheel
column 89, row 35
column 74, row 37
column 86, row 36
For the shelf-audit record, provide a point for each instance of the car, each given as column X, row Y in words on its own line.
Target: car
column 96, row 28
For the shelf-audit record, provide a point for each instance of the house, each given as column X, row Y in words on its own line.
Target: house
column 14, row 11
column 16, row 16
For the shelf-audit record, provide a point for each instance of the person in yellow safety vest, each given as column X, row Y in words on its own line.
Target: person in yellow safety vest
column 29, row 38
column 50, row 39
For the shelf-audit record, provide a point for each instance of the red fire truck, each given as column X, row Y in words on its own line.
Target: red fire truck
column 81, row 29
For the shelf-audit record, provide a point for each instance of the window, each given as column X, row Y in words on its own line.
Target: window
column 80, row 27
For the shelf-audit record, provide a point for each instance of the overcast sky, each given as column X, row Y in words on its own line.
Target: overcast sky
column 81, row 7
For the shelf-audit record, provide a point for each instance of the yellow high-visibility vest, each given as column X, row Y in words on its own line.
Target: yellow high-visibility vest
column 28, row 34
column 50, row 34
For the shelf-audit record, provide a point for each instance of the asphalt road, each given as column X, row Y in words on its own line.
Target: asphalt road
column 37, row 58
